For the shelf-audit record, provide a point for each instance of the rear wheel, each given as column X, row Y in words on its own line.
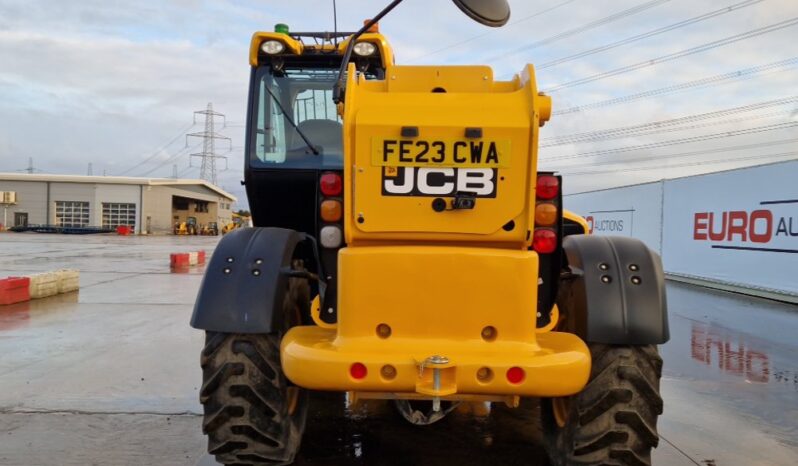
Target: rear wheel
column 613, row 421
column 253, row 414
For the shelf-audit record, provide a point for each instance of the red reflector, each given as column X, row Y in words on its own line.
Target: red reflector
column 331, row 184
column 358, row 370
column 544, row 241
column 515, row 375
column 548, row 187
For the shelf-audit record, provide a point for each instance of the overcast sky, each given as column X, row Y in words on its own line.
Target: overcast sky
column 114, row 82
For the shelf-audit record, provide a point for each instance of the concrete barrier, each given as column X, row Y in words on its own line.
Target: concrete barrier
column 68, row 280
column 178, row 260
column 181, row 261
column 14, row 290
column 43, row 285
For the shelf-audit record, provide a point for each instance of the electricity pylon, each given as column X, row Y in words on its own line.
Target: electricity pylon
column 209, row 136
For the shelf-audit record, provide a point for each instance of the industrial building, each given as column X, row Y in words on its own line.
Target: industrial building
column 149, row 205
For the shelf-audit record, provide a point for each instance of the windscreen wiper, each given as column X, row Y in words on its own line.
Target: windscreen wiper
column 291, row 120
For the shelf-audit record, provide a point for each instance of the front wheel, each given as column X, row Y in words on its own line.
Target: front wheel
column 613, row 421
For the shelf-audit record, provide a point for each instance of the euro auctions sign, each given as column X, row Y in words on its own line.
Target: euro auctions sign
column 772, row 228
column 610, row 222
column 737, row 227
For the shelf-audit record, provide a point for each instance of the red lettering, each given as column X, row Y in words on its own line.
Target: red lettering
column 700, row 226
column 759, row 372
column 718, row 344
column 744, row 362
column 763, row 216
column 740, row 228
column 721, row 235
column 589, row 220
column 698, row 345
column 733, row 360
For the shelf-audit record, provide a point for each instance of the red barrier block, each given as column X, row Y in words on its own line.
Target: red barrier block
column 14, row 290
column 178, row 259
column 200, row 257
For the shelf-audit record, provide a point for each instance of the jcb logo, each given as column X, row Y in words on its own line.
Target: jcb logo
column 434, row 182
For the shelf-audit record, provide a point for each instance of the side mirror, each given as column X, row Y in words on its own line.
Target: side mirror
column 493, row 13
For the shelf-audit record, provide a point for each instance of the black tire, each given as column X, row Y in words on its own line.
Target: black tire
column 253, row 415
column 613, row 421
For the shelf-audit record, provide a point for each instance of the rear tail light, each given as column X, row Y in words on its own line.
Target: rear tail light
column 331, row 184
column 548, row 187
column 544, row 240
column 545, row 214
column 515, row 375
column 358, row 371
column 331, row 210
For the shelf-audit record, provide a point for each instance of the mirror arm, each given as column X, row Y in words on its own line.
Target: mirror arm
column 338, row 88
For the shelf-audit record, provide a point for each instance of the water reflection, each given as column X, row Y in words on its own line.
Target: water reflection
column 19, row 315
column 730, row 351
column 372, row 432
column 13, row 316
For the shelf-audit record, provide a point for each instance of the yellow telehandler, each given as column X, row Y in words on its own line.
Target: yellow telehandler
column 406, row 247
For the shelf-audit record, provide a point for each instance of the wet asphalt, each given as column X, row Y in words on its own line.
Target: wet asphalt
column 110, row 376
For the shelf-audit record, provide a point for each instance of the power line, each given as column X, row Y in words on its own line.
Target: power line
column 480, row 36
column 672, row 142
column 585, row 27
column 158, row 150
column 171, row 159
column 677, row 128
column 646, row 35
column 662, row 125
column 717, row 150
column 185, row 170
column 687, row 164
column 677, row 55
column 703, row 82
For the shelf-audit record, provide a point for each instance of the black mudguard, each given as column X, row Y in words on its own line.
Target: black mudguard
column 245, row 281
column 614, row 291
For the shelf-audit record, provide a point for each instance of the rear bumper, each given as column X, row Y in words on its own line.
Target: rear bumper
column 557, row 364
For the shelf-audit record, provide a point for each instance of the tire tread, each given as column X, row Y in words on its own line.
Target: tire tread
column 613, row 421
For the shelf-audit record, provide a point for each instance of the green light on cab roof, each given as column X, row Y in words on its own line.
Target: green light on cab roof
column 281, row 28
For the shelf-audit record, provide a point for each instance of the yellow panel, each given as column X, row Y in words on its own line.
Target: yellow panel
column 391, row 199
column 452, row 79
column 437, row 292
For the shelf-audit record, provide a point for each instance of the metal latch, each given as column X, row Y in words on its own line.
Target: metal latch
column 434, row 362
